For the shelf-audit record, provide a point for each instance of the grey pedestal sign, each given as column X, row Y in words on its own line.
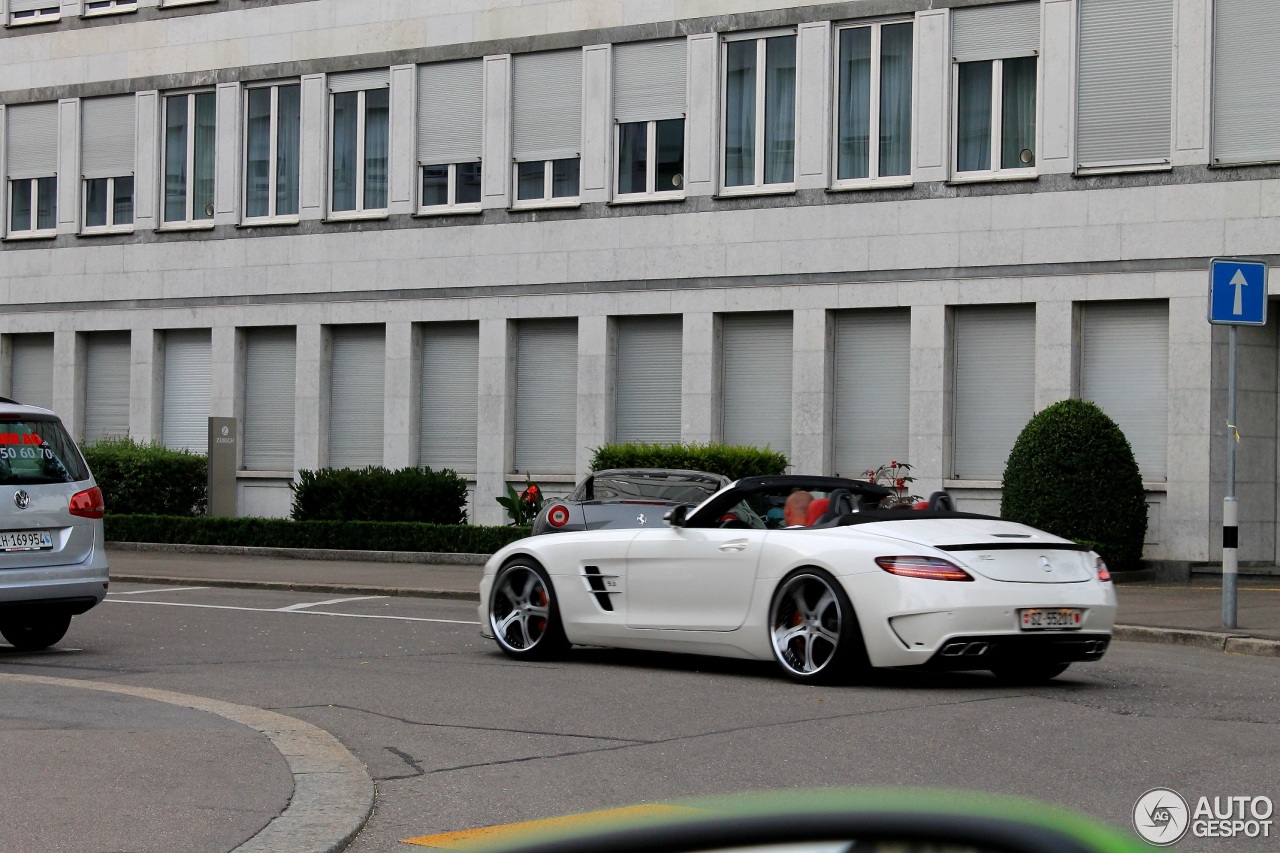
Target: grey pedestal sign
column 224, row 458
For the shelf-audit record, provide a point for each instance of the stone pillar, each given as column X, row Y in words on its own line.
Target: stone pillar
column 496, row 175
column 313, row 159
column 68, row 165
column 932, row 85
column 929, row 445
column 700, row 380
column 68, row 379
column 1057, row 87
column 226, row 193
column 399, row 445
column 311, row 397
column 146, row 385
column 811, row 391
column 597, row 122
column 1057, row 337
column 813, row 127
column 495, row 411
column 595, row 386
column 403, row 150
column 146, row 180
column 701, row 124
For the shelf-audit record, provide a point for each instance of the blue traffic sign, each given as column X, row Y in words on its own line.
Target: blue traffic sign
column 1238, row 292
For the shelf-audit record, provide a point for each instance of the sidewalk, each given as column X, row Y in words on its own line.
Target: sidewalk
column 1184, row 614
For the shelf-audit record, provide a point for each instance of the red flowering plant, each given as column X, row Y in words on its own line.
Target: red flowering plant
column 896, row 476
column 522, row 506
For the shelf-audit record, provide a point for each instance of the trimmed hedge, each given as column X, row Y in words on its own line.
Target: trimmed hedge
column 333, row 535
column 148, row 478
column 377, row 494
column 733, row 461
column 1072, row 473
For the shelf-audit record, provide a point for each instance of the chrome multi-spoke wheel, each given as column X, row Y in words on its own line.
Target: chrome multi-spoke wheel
column 812, row 626
column 523, row 613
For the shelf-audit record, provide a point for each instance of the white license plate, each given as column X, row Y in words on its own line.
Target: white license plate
column 1050, row 618
column 25, row 540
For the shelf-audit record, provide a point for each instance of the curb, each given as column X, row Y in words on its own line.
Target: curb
column 438, row 558
column 332, row 791
column 291, row 586
column 1238, row 644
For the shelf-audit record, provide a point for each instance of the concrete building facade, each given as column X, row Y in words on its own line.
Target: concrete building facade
column 492, row 235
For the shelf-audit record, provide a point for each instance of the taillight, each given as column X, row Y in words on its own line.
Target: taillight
column 929, row 568
column 88, row 504
column 558, row 516
column 1104, row 574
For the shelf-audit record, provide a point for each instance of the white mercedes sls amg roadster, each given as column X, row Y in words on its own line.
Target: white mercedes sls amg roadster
column 858, row 587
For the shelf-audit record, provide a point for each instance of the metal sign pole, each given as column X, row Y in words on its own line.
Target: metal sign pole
column 1230, row 506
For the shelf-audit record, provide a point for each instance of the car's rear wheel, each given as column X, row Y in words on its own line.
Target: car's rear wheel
column 813, row 629
column 1029, row 673
column 523, row 612
column 33, row 633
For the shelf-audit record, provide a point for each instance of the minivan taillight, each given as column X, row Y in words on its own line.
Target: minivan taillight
column 88, row 504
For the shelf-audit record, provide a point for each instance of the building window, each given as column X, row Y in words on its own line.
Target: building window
column 872, row 392
column 651, row 158
column 873, row 117
column 106, row 385
column 106, row 7
column 33, row 206
column 361, row 123
column 547, row 126
column 33, row 11
column 541, row 180
column 272, row 124
column 107, row 151
column 356, row 370
column 447, row 422
column 189, row 134
column 31, row 135
column 108, row 203
column 759, row 112
column 994, row 386
column 187, row 377
column 546, row 427
column 455, row 185
column 649, row 103
column 647, row 380
column 31, row 370
column 270, row 361
column 450, row 135
column 756, row 371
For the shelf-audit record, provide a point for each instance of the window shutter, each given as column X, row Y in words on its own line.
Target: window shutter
column 647, row 390
column 355, row 396
column 757, row 380
column 359, row 81
column 450, row 378
column 32, row 139
column 187, row 356
column 547, row 97
column 31, row 5
column 1125, row 370
column 547, row 397
column 1003, row 31
column 106, row 385
column 32, row 376
column 1246, row 97
column 872, row 389
column 450, row 112
column 1126, row 82
column 270, row 370
column 649, row 80
column 107, row 137
column 995, row 374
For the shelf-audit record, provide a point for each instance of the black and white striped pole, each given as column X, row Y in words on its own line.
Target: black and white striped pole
column 1230, row 506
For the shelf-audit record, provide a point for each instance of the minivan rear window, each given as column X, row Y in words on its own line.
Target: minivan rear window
column 34, row 451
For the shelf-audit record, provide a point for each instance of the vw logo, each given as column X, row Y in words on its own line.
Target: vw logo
column 1045, row 564
column 21, row 499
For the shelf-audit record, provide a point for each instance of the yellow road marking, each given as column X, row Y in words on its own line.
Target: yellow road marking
column 470, row 838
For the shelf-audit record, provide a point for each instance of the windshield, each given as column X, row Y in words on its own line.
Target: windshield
column 35, row 451
column 677, row 489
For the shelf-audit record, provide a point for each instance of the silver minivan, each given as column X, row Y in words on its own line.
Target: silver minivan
column 53, row 564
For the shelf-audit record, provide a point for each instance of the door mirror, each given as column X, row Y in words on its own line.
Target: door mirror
column 676, row 515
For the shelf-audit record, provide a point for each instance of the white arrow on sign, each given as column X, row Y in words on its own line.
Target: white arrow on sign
column 1238, row 281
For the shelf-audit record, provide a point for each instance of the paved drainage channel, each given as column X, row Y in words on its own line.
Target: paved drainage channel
column 332, row 790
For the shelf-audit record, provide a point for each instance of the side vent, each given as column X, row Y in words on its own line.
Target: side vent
column 595, row 580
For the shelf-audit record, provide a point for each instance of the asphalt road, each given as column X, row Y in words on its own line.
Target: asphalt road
column 456, row 736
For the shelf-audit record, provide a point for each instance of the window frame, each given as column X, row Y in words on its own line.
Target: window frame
column 995, row 172
column 111, row 227
column 548, row 179
column 34, row 232
column 362, row 115
column 114, row 7
column 874, row 179
column 761, row 38
column 273, row 155
column 651, row 192
column 452, row 205
column 189, row 222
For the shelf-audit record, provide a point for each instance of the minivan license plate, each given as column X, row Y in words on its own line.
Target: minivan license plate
column 1043, row 619
column 25, row 540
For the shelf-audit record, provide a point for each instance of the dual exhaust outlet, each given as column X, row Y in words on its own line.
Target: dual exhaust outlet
column 965, row 649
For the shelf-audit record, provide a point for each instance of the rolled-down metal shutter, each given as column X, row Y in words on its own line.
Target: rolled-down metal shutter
column 31, row 136
column 359, row 81
column 872, row 389
column 355, row 396
column 107, row 133
column 547, row 396
column 270, row 371
column 187, row 357
column 1246, row 81
column 649, row 80
column 1125, row 97
column 757, row 380
column 995, row 385
column 106, row 385
column 647, row 390
column 1125, row 370
column 450, row 379
column 547, row 97
column 1002, row 31
column 31, row 382
column 30, row 5
column 450, row 112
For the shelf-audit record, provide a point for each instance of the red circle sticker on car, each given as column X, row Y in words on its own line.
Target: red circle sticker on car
column 558, row 516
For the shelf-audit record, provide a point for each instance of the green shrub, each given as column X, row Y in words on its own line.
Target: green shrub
column 376, row 494
column 1072, row 473
column 332, row 535
column 733, row 461
column 148, row 478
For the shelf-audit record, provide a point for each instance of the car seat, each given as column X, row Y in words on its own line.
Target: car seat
column 817, row 508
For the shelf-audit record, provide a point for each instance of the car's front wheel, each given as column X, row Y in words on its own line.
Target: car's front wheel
column 33, row 633
column 813, row 629
column 523, row 612
column 1029, row 673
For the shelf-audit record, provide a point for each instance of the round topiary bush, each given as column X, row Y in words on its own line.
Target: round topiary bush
column 1072, row 473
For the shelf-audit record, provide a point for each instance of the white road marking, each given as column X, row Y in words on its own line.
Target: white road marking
column 149, row 591
column 298, row 612
column 296, row 607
